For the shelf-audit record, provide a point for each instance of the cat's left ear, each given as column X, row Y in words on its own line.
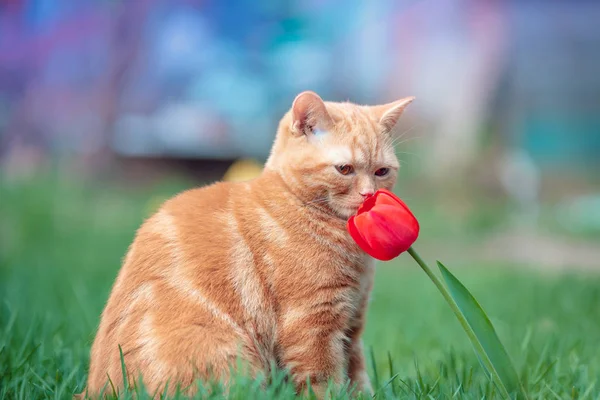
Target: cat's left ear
column 389, row 114
column 309, row 114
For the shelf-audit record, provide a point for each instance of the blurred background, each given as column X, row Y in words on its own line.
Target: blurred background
column 108, row 107
column 505, row 132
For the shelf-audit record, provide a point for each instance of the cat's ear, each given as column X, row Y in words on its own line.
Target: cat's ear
column 389, row 114
column 309, row 114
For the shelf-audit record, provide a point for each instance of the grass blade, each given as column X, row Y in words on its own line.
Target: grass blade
column 393, row 374
column 123, row 370
column 374, row 366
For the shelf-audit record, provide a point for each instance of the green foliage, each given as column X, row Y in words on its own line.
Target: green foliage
column 61, row 244
column 489, row 348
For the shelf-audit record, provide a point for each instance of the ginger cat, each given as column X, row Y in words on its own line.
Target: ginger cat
column 264, row 269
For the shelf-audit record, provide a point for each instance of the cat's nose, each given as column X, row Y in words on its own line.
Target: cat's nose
column 366, row 193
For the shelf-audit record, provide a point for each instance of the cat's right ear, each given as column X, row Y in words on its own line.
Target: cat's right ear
column 309, row 114
column 388, row 114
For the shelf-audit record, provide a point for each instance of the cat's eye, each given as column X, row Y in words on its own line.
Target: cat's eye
column 345, row 169
column 382, row 171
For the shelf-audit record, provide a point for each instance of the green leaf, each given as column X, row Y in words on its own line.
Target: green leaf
column 485, row 340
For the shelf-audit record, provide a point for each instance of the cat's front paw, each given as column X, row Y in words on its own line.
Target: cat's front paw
column 363, row 385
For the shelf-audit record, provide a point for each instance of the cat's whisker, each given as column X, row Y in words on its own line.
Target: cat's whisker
column 398, row 137
column 396, row 144
column 314, row 202
column 399, row 141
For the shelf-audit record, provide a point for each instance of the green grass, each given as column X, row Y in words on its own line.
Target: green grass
column 61, row 244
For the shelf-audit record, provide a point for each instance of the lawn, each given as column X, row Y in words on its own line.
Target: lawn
column 61, row 243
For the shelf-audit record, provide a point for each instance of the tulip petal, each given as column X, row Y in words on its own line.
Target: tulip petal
column 390, row 198
column 367, row 204
column 384, row 226
column 376, row 234
column 356, row 235
column 390, row 237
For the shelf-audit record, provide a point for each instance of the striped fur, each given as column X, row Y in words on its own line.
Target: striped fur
column 264, row 269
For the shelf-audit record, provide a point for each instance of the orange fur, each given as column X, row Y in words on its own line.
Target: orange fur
column 262, row 269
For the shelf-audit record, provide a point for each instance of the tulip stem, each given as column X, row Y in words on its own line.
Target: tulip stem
column 442, row 288
column 461, row 318
column 431, row 275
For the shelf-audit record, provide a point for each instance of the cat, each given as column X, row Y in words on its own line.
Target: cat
column 263, row 270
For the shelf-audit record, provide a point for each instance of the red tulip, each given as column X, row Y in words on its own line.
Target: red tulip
column 383, row 226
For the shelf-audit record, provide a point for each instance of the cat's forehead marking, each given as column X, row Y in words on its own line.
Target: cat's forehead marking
column 339, row 154
column 363, row 148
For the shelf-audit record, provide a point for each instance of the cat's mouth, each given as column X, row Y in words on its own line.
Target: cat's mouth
column 344, row 206
column 348, row 210
column 355, row 205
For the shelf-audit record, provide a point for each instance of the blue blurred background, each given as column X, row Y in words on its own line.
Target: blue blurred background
column 211, row 78
column 507, row 110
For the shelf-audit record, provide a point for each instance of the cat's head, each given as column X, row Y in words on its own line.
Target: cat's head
column 337, row 154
